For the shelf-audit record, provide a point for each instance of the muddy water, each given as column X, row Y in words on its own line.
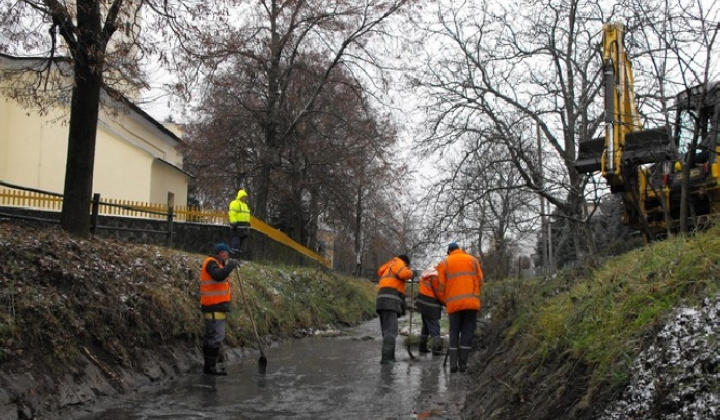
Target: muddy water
column 310, row 378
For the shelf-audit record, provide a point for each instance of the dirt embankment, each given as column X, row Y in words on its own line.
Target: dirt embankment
column 635, row 339
column 83, row 319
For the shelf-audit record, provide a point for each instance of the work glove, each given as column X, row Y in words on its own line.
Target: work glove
column 232, row 263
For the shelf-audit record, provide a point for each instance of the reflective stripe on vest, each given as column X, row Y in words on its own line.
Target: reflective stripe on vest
column 389, row 296
column 460, row 297
column 435, row 304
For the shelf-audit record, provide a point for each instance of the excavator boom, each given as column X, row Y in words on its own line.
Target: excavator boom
column 642, row 165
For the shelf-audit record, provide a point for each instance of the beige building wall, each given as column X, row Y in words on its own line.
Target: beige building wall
column 164, row 181
column 136, row 158
column 145, row 158
column 32, row 150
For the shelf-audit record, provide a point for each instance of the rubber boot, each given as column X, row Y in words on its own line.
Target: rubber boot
column 462, row 359
column 221, row 366
column 453, row 360
column 210, row 355
column 423, row 344
column 209, row 359
column 436, row 346
column 388, row 351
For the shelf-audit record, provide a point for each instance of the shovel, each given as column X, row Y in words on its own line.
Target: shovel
column 262, row 361
column 410, row 320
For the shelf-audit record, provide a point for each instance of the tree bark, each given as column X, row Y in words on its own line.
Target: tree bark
column 75, row 217
column 89, row 55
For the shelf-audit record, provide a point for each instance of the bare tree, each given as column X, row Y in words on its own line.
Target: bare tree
column 509, row 69
column 269, row 38
column 100, row 40
column 482, row 198
column 333, row 168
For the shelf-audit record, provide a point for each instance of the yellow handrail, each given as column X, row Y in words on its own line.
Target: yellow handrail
column 12, row 197
column 278, row 236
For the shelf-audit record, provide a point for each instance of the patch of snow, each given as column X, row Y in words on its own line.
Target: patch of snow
column 678, row 377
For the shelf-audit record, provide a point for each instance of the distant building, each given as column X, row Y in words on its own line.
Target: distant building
column 136, row 157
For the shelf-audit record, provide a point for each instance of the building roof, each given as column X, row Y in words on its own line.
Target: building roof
column 40, row 63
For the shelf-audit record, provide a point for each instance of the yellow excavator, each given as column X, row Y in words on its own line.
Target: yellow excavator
column 645, row 166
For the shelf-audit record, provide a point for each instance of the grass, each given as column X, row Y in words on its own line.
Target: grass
column 61, row 297
column 286, row 299
column 603, row 318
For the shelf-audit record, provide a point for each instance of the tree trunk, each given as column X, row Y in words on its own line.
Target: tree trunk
column 311, row 227
column 296, row 217
column 84, row 109
column 75, row 217
column 358, row 232
column 263, row 189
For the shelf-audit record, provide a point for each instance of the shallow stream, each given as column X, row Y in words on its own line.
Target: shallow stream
column 310, row 378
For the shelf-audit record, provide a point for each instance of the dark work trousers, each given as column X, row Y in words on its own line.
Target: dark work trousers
column 239, row 232
column 430, row 327
column 214, row 333
column 462, row 328
column 388, row 324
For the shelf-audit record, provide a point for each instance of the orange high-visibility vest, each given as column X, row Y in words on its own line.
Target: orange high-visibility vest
column 460, row 280
column 212, row 291
column 429, row 283
column 393, row 274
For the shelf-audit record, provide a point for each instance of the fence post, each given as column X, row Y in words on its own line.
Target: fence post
column 170, row 206
column 95, row 213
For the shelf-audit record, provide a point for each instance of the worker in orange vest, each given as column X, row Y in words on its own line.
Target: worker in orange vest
column 390, row 302
column 430, row 308
column 215, row 301
column 460, row 281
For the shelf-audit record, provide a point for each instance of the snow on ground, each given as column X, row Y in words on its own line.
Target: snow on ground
column 678, row 377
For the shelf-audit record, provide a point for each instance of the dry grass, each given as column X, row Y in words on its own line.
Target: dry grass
column 60, row 297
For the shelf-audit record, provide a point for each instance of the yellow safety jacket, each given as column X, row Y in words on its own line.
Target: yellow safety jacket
column 239, row 211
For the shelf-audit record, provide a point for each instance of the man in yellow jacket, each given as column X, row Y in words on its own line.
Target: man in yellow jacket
column 239, row 218
column 390, row 302
column 460, row 281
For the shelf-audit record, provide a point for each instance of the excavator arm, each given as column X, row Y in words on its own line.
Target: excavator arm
column 621, row 115
column 625, row 144
column 644, row 165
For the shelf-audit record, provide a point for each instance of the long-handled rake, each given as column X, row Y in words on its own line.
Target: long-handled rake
column 410, row 320
column 262, row 361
